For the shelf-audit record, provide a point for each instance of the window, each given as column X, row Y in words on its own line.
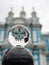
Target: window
column 1, row 36
column 34, row 36
column 35, row 56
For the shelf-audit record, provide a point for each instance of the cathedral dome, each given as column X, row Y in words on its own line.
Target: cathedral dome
column 11, row 13
column 22, row 13
column 18, row 55
column 33, row 13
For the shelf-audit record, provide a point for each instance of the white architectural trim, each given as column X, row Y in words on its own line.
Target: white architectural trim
column 35, row 62
column 42, row 59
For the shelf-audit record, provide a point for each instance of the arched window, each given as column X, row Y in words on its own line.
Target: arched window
column 1, row 35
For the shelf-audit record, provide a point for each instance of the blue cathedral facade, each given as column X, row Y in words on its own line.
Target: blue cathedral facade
column 30, row 31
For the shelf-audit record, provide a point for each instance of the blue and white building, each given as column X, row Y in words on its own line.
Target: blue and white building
column 37, row 42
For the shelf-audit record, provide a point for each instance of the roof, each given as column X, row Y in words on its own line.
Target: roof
column 2, row 25
column 35, row 25
column 45, row 35
column 18, row 20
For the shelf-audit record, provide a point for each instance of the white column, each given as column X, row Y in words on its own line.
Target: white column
column 41, row 59
column 45, row 63
column 35, row 59
column 34, row 35
column 35, row 62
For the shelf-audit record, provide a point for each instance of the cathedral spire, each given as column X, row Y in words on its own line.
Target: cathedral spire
column 22, row 13
column 33, row 8
column 34, row 17
column 22, row 8
column 33, row 13
column 10, row 15
column 11, row 12
column 11, row 8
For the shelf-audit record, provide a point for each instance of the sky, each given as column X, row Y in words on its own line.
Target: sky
column 40, row 6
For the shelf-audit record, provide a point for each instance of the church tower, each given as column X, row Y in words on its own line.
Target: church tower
column 10, row 16
column 22, row 13
column 35, row 28
column 36, row 37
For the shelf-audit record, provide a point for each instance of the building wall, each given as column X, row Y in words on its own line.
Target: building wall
column 34, row 35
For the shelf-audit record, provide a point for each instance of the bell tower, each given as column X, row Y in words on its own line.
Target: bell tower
column 23, row 13
column 10, row 16
column 35, row 27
